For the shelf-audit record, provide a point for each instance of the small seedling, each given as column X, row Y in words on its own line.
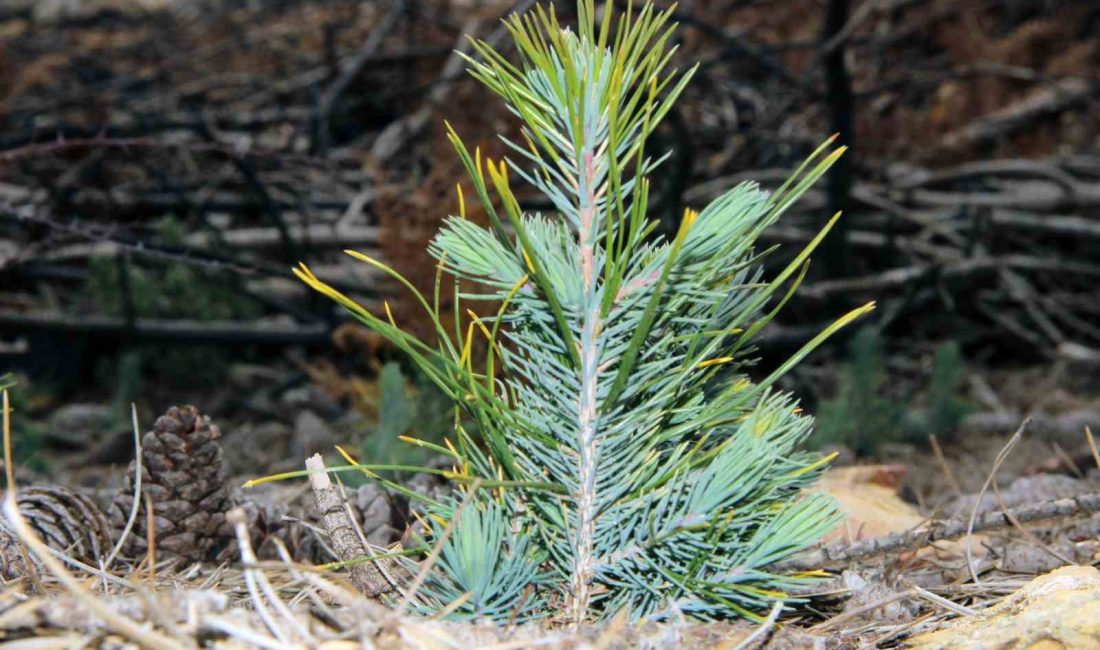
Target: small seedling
column 863, row 416
column 625, row 460
column 425, row 415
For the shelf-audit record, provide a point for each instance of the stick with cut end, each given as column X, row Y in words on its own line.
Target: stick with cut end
column 341, row 531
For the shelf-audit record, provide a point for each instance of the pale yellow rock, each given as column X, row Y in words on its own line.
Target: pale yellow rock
column 1059, row 610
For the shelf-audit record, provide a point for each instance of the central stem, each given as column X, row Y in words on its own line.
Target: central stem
column 588, row 402
column 587, row 417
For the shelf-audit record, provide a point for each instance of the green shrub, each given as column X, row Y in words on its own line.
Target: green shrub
column 411, row 409
column 945, row 409
column 26, row 433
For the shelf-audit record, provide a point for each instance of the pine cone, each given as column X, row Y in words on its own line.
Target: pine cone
column 387, row 517
column 273, row 516
column 65, row 520
column 184, row 477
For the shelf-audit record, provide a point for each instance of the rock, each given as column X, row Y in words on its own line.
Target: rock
column 381, row 515
column 312, row 435
column 310, row 397
column 1082, row 367
column 261, row 404
column 80, row 423
column 1085, row 530
column 1026, row 557
column 8, row 251
column 295, row 398
column 249, row 447
column 870, row 587
column 51, row 12
column 1058, row 610
column 249, row 376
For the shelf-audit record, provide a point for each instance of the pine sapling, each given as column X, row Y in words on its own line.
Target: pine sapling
column 624, row 459
column 860, row 417
column 946, row 409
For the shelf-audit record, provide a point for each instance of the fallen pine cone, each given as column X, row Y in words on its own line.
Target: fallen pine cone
column 65, row 520
column 184, row 477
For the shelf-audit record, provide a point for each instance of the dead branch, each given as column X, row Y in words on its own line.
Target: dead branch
column 397, row 133
column 1024, row 195
column 961, row 271
column 63, row 146
column 341, row 531
column 259, row 332
column 1066, row 226
column 988, row 169
column 1062, row 426
column 896, row 278
column 348, row 74
column 1045, row 100
column 935, row 531
column 319, row 236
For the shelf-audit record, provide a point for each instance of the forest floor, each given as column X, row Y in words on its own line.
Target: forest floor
column 904, row 493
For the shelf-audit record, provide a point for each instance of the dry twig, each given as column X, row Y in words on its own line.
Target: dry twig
column 341, row 531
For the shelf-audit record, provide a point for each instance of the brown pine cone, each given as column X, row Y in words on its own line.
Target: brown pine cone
column 184, row 476
column 273, row 513
column 65, row 520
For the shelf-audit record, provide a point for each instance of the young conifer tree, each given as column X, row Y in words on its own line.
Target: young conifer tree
column 624, row 459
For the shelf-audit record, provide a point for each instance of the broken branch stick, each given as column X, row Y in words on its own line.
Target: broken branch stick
column 341, row 531
column 936, row 531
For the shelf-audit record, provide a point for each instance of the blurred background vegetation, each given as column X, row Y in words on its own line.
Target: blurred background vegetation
column 163, row 164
